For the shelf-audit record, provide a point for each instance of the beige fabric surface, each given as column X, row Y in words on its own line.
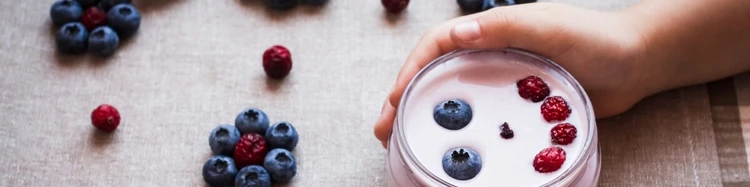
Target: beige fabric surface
column 196, row 63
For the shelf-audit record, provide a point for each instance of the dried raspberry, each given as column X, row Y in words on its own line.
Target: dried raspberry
column 105, row 118
column 506, row 132
column 250, row 150
column 533, row 88
column 549, row 159
column 563, row 133
column 94, row 17
column 395, row 5
column 277, row 62
column 555, row 108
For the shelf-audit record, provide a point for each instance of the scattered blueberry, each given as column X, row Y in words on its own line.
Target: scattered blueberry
column 494, row 3
column 315, row 2
column 72, row 38
column 524, row 1
column 252, row 120
column 462, row 163
column 453, row 114
column 471, row 5
column 223, row 139
column 88, row 3
column 103, row 41
column 253, row 176
column 282, row 135
column 219, row 171
column 281, row 165
column 124, row 19
column 108, row 4
column 65, row 11
column 489, row 4
column 281, row 4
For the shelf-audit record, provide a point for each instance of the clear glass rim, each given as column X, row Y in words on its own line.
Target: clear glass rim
column 580, row 161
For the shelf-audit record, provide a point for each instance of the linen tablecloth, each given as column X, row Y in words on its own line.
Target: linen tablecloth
column 195, row 64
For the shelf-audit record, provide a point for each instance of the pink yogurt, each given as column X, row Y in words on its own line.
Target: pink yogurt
column 486, row 79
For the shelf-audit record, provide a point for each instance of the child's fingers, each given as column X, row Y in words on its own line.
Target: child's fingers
column 384, row 125
column 531, row 27
column 433, row 44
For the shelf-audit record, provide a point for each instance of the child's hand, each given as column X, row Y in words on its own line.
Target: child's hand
column 597, row 48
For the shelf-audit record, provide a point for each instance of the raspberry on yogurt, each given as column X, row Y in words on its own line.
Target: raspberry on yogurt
column 563, row 133
column 549, row 159
column 533, row 88
column 555, row 108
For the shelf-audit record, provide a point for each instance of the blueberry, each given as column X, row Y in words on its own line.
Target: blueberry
column 282, row 135
column 219, row 171
column 462, row 163
column 103, row 41
column 65, row 11
column 124, row 19
column 252, row 120
column 453, row 114
column 495, row 3
column 315, row 2
column 72, row 38
column 281, row 4
column 281, row 164
column 223, row 139
column 88, row 3
column 106, row 5
column 489, row 4
column 471, row 5
column 253, row 176
column 524, row 1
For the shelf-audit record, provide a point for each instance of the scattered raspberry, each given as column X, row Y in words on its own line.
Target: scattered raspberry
column 533, row 88
column 506, row 132
column 395, row 5
column 549, row 159
column 105, row 118
column 250, row 150
column 555, row 108
column 94, row 17
column 277, row 62
column 563, row 133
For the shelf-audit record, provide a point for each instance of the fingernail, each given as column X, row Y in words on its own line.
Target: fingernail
column 468, row 31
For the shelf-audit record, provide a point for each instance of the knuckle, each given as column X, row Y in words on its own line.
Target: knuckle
column 504, row 17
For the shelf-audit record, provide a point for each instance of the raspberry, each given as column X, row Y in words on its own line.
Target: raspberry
column 555, row 108
column 94, row 17
column 395, row 5
column 532, row 88
column 105, row 118
column 506, row 132
column 549, row 159
column 563, row 133
column 250, row 150
column 277, row 62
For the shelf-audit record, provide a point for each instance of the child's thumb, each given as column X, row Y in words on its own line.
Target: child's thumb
column 518, row 27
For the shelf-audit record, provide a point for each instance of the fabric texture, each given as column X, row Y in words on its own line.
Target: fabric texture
column 196, row 64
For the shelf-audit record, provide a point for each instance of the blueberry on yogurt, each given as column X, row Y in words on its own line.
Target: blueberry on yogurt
column 453, row 114
column 462, row 163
